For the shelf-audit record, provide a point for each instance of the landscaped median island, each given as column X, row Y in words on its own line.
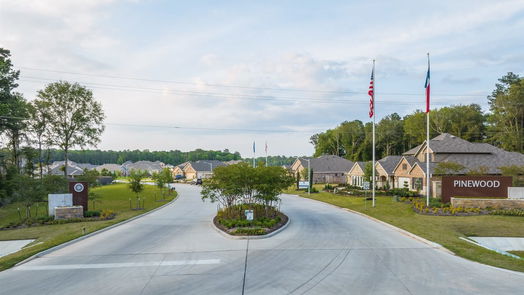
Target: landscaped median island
column 248, row 198
column 446, row 229
column 116, row 203
column 233, row 220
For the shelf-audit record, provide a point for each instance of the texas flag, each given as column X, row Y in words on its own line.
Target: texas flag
column 427, row 89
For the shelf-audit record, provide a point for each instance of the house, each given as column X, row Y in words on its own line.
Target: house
column 145, row 166
column 481, row 157
column 384, row 168
column 326, row 169
column 73, row 168
column 201, row 169
column 178, row 170
column 355, row 175
column 113, row 168
column 401, row 175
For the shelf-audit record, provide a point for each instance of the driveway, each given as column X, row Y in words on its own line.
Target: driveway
column 324, row 250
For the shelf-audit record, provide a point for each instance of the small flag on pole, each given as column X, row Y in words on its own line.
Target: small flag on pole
column 427, row 86
column 371, row 93
column 253, row 147
column 266, row 147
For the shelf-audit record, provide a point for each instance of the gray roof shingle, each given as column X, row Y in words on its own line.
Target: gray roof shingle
column 206, row 165
column 328, row 163
column 389, row 163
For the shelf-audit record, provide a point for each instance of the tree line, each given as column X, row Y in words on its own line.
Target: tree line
column 502, row 126
column 173, row 157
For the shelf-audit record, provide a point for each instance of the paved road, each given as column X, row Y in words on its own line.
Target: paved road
column 324, row 250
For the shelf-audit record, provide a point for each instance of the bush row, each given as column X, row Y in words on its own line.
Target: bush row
column 49, row 220
column 259, row 222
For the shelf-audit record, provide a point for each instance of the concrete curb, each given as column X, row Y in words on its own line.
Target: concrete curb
column 402, row 231
column 58, row 247
column 251, row 237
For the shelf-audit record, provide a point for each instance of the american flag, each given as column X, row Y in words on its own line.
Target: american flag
column 371, row 93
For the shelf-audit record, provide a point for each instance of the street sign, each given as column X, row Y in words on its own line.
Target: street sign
column 366, row 185
column 303, row 184
column 249, row 214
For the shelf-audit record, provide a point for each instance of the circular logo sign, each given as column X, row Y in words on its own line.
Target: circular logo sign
column 78, row 187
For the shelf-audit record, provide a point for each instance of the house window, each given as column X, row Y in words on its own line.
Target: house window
column 404, row 166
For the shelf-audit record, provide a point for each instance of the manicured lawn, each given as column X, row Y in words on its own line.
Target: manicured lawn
column 115, row 197
column 518, row 253
column 444, row 230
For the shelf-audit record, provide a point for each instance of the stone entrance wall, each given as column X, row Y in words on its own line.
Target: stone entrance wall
column 69, row 212
column 487, row 203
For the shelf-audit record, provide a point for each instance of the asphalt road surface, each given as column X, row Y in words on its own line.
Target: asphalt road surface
column 324, row 250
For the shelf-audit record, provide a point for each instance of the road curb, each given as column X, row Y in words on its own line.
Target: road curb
column 58, row 247
column 402, row 231
column 251, row 237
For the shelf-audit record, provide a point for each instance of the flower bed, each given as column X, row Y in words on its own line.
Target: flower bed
column 256, row 227
column 50, row 220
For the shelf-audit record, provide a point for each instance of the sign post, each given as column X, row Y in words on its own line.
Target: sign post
column 79, row 189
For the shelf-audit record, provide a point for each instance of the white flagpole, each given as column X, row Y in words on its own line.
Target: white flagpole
column 427, row 145
column 254, row 159
column 373, row 177
column 266, row 154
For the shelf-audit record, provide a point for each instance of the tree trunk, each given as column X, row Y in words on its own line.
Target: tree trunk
column 65, row 162
column 40, row 157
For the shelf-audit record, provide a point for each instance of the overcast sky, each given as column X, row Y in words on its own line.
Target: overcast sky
column 275, row 71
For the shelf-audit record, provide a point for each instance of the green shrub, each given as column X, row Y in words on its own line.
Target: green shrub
column 92, row 213
column 249, row 231
column 402, row 192
column 508, row 212
column 259, row 222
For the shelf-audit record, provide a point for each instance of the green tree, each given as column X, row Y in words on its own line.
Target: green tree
column 28, row 191
column 163, row 178
column 270, row 182
column 449, row 168
column 465, row 121
column 516, row 172
column 13, row 107
column 135, row 181
column 38, row 128
column 94, row 197
column 415, row 128
column 506, row 120
column 368, row 172
column 389, row 135
column 75, row 118
column 89, row 176
column 242, row 183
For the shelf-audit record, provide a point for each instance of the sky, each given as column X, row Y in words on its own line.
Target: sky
column 222, row 74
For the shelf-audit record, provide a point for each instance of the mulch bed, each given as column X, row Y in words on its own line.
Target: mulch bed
column 283, row 221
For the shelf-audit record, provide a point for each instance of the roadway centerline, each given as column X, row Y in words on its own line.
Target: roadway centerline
column 118, row 265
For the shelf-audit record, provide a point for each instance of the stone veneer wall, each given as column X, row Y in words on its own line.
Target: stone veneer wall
column 485, row 203
column 69, row 212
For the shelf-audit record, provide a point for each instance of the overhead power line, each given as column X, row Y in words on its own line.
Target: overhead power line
column 231, row 95
column 242, row 86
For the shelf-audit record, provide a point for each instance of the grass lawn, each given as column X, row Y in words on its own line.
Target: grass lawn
column 444, row 230
column 518, row 253
column 115, row 197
